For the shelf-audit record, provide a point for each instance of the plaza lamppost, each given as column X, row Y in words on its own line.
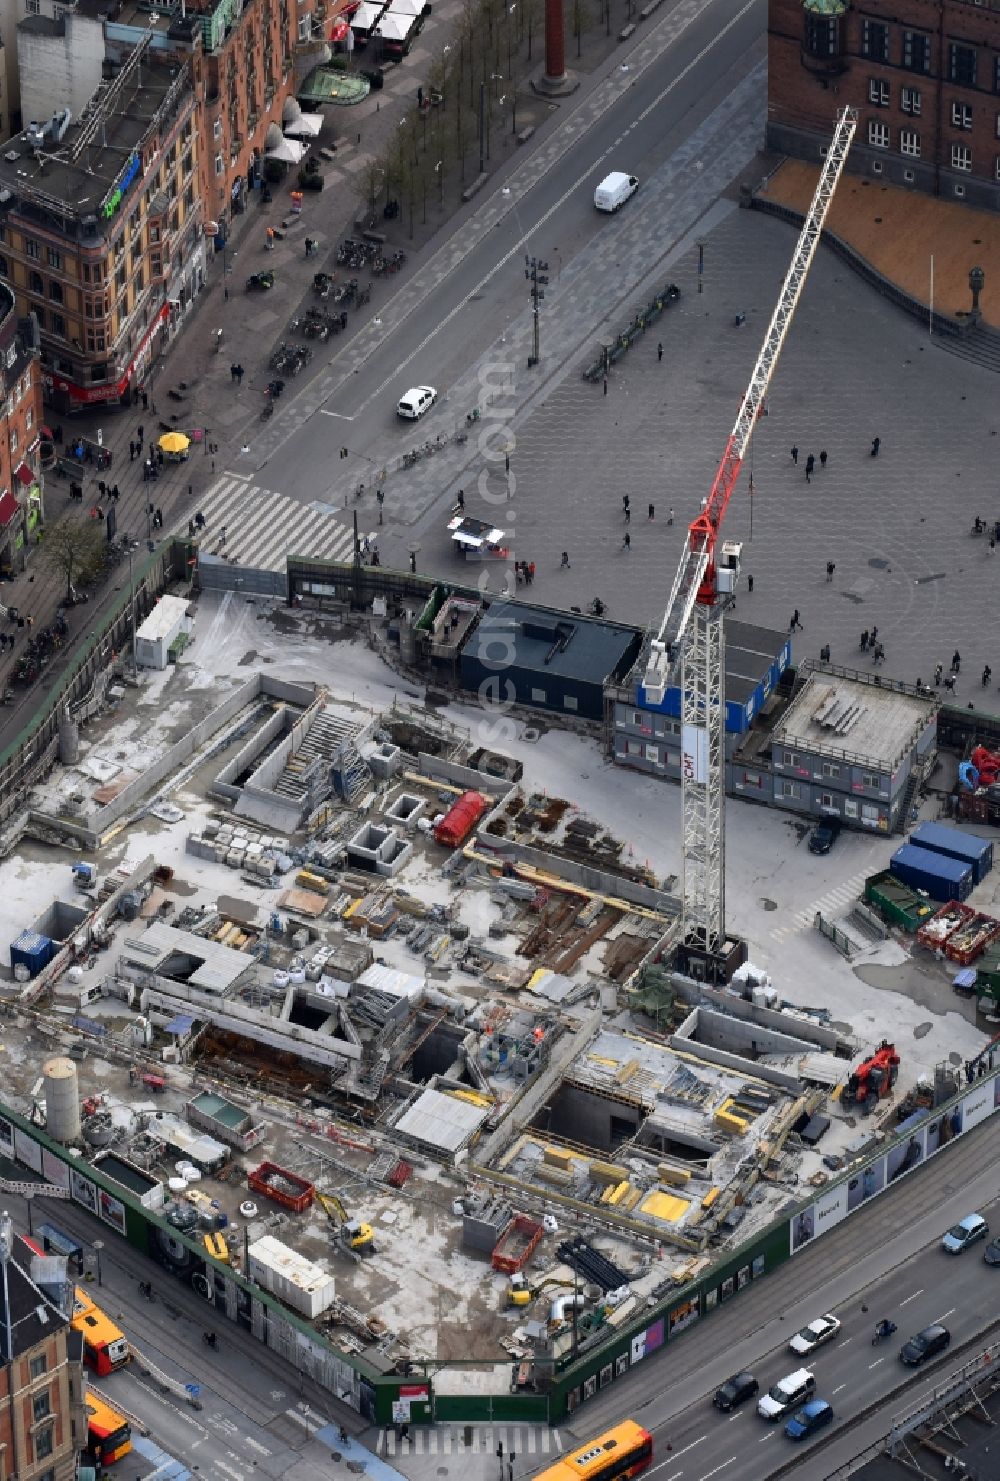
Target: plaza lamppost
column 98, row 1247
column 537, row 273
column 482, row 128
column 439, row 172
column 977, row 281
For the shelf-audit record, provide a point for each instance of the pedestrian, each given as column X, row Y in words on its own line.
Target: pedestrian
column 824, row 654
column 795, row 623
column 652, row 512
column 190, row 526
column 876, row 444
column 830, row 568
column 810, row 465
column 461, row 498
column 269, row 239
column 795, row 455
column 956, row 661
column 625, row 502
column 670, row 515
column 145, row 401
column 131, row 451
column 116, row 493
column 628, row 515
column 872, row 636
column 659, row 352
column 564, row 564
column 750, row 585
column 159, row 519
column 937, row 676
column 987, row 676
column 949, row 683
column 627, row 542
column 822, row 460
column 101, row 487
column 531, row 572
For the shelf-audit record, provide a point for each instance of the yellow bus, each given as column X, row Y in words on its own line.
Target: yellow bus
column 618, row 1454
column 109, row 1434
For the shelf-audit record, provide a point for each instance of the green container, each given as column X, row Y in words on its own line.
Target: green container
column 896, row 903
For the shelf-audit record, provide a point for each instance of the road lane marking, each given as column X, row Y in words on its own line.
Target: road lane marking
column 845, row 1342
column 524, row 236
column 725, row 1463
column 913, row 1297
column 950, row 1312
column 765, row 1438
column 674, row 1458
column 342, row 415
column 875, row 1364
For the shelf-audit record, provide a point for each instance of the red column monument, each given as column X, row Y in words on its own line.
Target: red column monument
column 555, row 42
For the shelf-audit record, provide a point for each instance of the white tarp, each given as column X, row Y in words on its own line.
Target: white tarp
column 394, row 27
column 289, row 150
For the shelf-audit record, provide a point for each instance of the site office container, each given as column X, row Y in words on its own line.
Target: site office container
column 938, row 875
column 304, row 1286
column 941, row 839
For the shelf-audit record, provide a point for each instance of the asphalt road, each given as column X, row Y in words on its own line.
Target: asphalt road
column 886, row 1259
column 472, row 304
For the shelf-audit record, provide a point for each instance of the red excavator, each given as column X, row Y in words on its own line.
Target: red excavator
column 873, row 1079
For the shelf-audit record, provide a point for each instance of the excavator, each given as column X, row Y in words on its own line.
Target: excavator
column 351, row 1233
column 873, row 1079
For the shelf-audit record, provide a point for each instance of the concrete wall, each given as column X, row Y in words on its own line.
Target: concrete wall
column 588, row 878
column 466, row 777
column 223, row 784
column 59, row 71
column 312, row 1044
column 220, row 575
column 815, row 1035
column 726, row 1042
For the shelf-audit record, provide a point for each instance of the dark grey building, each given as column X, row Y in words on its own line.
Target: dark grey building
column 555, row 661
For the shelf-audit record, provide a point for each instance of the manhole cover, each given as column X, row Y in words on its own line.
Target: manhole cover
column 768, row 904
column 877, row 563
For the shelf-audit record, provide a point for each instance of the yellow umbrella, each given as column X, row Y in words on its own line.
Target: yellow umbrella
column 175, row 442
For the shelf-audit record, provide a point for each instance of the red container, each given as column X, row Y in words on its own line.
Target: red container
column 460, row 819
column 282, row 1186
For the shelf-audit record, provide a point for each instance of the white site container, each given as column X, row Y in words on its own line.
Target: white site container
column 301, row 1284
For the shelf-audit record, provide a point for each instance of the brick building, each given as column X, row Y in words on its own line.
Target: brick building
column 101, row 229
column 42, row 1418
column 923, row 74
column 21, row 507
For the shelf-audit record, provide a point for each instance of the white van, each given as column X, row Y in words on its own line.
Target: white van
column 614, row 191
column 787, row 1394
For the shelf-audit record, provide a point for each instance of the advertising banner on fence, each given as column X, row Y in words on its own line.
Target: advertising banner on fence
column 55, row 1170
column 27, row 1150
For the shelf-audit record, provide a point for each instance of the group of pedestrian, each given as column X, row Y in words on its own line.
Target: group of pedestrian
column 524, row 572
column 810, row 462
column 236, row 374
column 108, row 490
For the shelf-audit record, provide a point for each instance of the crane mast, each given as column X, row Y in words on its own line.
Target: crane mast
column 692, row 626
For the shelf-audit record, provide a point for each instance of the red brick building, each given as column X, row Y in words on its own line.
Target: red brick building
column 21, row 508
column 924, row 76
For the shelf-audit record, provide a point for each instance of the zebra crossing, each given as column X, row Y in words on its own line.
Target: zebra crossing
column 832, row 904
column 457, row 1439
column 262, row 528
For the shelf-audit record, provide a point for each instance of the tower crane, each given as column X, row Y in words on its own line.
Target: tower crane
column 691, row 631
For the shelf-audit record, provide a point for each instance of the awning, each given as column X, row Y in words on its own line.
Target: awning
column 8, row 508
column 340, row 30
column 24, row 475
column 289, row 150
column 394, row 27
column 306, row 126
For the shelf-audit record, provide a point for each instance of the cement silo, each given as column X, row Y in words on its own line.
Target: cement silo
column 62, row 1100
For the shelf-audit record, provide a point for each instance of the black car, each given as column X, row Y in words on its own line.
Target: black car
column 991, row 1254
column 926, row 1344
column 735, row 1391
column 824, row 835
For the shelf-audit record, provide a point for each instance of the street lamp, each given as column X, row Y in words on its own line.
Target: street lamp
column 29, row 1199
column 537, row 273
column 977, row 281
column 439, row 171
column 98, row 1247
column 482, row 127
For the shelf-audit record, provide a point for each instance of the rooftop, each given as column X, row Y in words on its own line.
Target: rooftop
column 85, row 167
column 837, row 714
column 27, row 1316
column 556, row 642
column 164, row 617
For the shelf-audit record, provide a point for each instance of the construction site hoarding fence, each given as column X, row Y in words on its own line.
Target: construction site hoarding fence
column 28, row 757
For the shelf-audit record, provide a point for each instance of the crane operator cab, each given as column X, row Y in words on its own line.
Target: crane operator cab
column 663, row 652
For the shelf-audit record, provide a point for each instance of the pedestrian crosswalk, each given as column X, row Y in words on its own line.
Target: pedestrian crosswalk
column 832, row 904
column 457, row 1439
column 259, row 528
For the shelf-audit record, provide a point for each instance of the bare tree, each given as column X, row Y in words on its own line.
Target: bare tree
column 76, row 550
column 582, row 21
column 368, row 181
column 531, row 15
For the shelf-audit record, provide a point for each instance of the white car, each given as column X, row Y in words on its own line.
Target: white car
column 416, row 401
column 813, row 1336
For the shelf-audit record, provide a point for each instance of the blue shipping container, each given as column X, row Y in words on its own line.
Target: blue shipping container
column 32, row 951
column 938, row 875
column 966, row 846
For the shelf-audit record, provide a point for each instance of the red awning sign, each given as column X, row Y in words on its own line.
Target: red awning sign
column 24, row 474
column 8, row 508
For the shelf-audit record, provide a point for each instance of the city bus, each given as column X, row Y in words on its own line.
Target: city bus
column 109, row 1434
column 618, row 1454
column 105, row 1346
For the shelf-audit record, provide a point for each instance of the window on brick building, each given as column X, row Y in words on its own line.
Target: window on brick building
column 878, row 134
column 220, row 165
column 996, row 74
column 32, row 7
column 40, row 1407
column 875, row 41
column 54, row 258
column 962, row 64
column 916, row 51
column 4, row 269
column 878, row 92
column 29, row 419
column 909, row 143
column 961, row 115
column 13, row 440
column 822, row 35
column 55, row 291
column 44, row 1442
column 39, row 312
column 909, row 101
column 305, row 27
column 38, row 1366
column 35, row 283
column 31, row 248
column 59, row 325
column 961, row 157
